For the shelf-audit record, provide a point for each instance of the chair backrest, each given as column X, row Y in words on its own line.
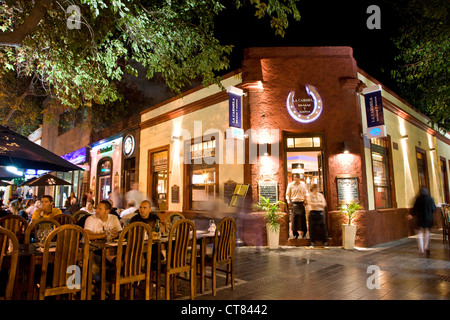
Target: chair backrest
column 68, row 251
column 177, row 250
column 172, row 218
column 129, row 258
column 64, row 218
column 224, row 240
column 30, row 230
column 80, row 214
column 447, row 214
column 15, row 224
column 7, row 237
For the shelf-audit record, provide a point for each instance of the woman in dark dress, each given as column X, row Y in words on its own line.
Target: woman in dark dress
column 423, row 210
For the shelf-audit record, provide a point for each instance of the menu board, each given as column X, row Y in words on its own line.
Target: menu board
column 239, row 194
column 347, row 188
column 175, row 194
column 268, row 189
column 228, row 190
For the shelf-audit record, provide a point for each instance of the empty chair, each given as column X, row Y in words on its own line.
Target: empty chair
column 80, row 214
column 64, row 218
column 69, row 254
column 15, row 224
column 181, row 254
column 133, row 257
column 6, row 238
column 30, row 231
column 223, row 253
column 172, row 218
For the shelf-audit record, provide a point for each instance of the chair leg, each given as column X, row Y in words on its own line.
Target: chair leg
column 232, row 274
column 167, row 286
column 214, row 284
column 193, row 283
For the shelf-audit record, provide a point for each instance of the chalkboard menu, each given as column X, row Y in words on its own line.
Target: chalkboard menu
column 175, row 194
column 347, row 187
column 268, row 189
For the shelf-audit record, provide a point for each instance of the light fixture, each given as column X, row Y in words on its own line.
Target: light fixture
column 175, row 138
column 264, row 149
column 345, row 147
column 432, row 149
column 405, row 137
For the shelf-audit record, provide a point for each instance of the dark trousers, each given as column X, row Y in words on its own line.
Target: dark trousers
column 317, row 229
column 298, row 218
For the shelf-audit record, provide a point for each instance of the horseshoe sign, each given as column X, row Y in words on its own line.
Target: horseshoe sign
column 305, row 110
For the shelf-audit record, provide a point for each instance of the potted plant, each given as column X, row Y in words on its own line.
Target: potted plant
column 272, row 217
column 349, row 230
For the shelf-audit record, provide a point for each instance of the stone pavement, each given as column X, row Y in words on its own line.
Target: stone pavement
column 297, row 273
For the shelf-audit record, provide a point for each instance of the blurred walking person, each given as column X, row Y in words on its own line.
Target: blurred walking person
column 423, row 210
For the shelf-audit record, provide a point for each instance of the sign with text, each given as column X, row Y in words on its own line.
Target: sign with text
column 234, row 106
column 268, row 189
column 374, row 112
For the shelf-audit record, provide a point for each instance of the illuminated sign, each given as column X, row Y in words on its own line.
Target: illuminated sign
column 374, row 112
column 305, row 109
column 76, row 157
column 105, row 149
column 128, row 145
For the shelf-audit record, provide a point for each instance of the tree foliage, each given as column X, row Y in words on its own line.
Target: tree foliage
column 172, row 39
column 424, row 43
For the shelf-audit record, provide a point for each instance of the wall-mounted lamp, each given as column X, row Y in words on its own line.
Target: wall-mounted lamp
column 405, row 137
column 345, row 147
column 175, row 138
column 432, row 149
column 264, row 149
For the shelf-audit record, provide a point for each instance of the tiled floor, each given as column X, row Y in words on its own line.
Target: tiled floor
column 293, row 273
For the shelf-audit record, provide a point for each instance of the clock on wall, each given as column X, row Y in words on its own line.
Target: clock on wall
column 128, row 145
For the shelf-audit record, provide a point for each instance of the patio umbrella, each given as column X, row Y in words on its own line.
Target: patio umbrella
column 48, row 180
column 26, row 182
column 5, row 184
column 16, row 150
column 6, row 175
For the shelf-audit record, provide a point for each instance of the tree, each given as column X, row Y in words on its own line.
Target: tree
column 423, row 72
column 40, row 41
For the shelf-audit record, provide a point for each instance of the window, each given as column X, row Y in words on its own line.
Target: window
column 309, row 142
column 381, row 173
column 202, row 175
column 444, row 180
column 159, row 177
column 421, row 158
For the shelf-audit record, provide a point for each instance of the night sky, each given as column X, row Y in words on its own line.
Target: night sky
column 323, row 23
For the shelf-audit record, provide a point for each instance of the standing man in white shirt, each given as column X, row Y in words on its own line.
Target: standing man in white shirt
column 296, row 193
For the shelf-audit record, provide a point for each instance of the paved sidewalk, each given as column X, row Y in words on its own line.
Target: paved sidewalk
column 294, row 273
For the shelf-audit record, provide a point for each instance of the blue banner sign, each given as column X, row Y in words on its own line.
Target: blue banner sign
column 234, row 107
column 374, row 106
column 76, row 157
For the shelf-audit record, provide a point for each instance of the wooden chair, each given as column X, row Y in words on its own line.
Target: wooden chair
column 68, row 252
column 131, row 257
column 80, row 214
column 223, row 253
column 30, row 229
column 7, row 236
column 181, row 254
column 15, row 224
column 64, row 218
column 172, row 218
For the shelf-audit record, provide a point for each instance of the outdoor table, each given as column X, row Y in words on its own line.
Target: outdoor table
column 203, row 237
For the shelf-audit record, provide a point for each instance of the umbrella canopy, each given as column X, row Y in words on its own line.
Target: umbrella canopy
column 27, row 182
column 48, row 180
column 17, row 151
column 6, row 175
column 5, row 184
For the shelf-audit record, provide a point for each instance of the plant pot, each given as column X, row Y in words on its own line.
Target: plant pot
column 273, row 237
column 348, row 236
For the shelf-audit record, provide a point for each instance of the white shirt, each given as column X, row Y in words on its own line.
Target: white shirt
column 95, row 225
column 128, row 211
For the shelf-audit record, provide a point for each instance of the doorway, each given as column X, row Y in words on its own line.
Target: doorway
column 304, row 154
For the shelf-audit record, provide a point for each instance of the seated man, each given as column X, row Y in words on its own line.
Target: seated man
column 102, row 220
column 145, row 215
column 46, row 210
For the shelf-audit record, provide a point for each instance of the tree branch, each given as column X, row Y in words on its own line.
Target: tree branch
column 15, row 38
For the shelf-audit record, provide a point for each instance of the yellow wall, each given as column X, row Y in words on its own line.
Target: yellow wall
column 404, row 159
column 213, row 118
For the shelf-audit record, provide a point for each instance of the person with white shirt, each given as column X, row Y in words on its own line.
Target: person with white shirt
column 296, row 194
column 317, row 228
column 102, row 220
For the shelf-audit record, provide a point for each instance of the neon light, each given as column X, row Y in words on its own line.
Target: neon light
column 318, row 105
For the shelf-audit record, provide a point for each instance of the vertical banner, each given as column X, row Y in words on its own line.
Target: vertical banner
column 374, row 112
column 234, row 107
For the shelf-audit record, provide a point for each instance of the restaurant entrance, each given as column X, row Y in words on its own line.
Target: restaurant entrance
column 304, row 155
